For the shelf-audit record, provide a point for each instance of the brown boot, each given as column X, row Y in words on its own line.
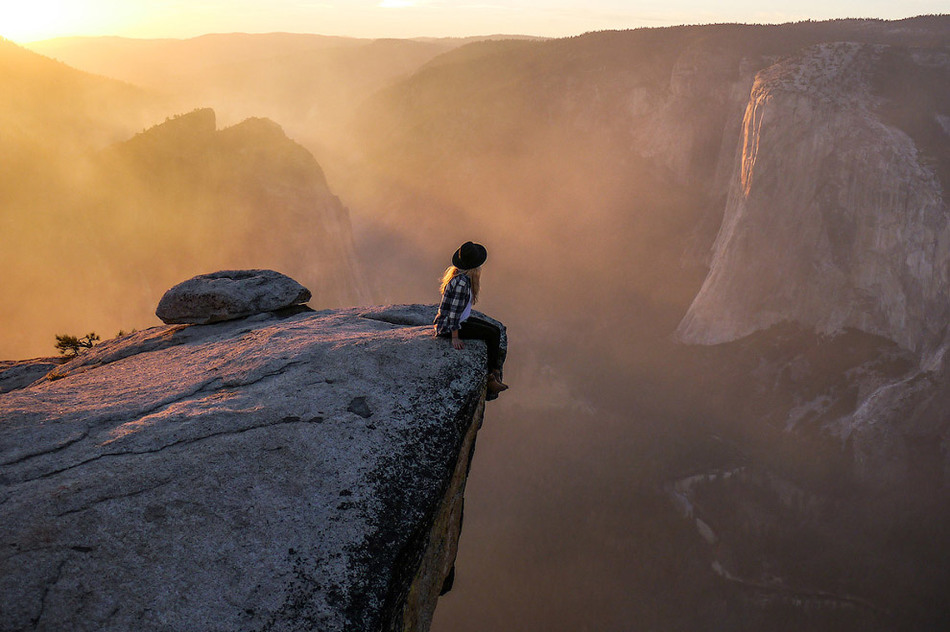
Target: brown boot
column 495, row 385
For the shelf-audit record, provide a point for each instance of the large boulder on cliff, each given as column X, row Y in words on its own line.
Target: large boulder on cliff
column 229, row 294
column 272, row 473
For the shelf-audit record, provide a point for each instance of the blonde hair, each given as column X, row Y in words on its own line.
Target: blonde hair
column 474, row 276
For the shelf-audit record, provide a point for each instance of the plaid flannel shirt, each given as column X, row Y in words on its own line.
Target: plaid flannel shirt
column 454, row 301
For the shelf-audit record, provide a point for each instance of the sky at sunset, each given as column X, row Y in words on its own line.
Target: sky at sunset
column 29, row 20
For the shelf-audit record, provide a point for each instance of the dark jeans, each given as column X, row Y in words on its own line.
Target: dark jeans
column 477, row 329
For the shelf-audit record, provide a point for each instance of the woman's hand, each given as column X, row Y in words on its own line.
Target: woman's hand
column 456, row 341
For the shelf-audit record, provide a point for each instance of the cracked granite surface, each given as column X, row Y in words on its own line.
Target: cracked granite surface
column 271, row 473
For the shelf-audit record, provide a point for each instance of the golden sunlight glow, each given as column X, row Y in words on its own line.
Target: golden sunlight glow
column 25, row 21
column 31, row 20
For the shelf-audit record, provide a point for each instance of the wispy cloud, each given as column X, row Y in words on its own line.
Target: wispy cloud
column 396, row 4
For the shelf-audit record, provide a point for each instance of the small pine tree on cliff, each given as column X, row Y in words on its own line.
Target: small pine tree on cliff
column 70, row 346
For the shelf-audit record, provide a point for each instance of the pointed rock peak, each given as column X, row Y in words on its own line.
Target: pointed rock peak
column 271, row 147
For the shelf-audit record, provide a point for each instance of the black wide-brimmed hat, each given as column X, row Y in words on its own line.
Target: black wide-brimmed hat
column 469, row 256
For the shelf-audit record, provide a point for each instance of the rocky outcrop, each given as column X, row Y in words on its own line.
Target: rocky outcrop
column 229, row 294
column 899, row 433
column 19, row 374
column 834, row 217
column 279, row 472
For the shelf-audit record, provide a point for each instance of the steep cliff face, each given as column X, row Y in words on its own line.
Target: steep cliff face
column 285, row 471
column 834, row 217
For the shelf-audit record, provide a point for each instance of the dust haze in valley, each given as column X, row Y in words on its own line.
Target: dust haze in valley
column 598, row 190
column 111, row 196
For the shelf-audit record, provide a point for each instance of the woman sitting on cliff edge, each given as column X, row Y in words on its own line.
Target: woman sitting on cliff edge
column 460, row 285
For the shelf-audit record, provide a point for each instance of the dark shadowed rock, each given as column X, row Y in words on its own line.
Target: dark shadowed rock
column 358, row 406
column 217, row 478
column 229, row 294
column 18, row 374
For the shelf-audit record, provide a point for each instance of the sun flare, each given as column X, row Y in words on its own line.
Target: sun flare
column 40, row 19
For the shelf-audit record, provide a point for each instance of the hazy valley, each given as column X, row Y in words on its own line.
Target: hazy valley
column 722, row 254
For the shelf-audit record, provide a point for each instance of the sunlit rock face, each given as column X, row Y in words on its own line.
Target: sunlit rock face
column 835, row 218
column 280, row 472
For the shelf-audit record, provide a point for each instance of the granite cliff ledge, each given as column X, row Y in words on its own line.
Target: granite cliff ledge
column 295, row 470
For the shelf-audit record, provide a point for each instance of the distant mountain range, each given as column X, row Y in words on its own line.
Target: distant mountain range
column 310, row 83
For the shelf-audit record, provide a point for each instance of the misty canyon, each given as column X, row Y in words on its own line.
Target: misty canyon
column 722, row 253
